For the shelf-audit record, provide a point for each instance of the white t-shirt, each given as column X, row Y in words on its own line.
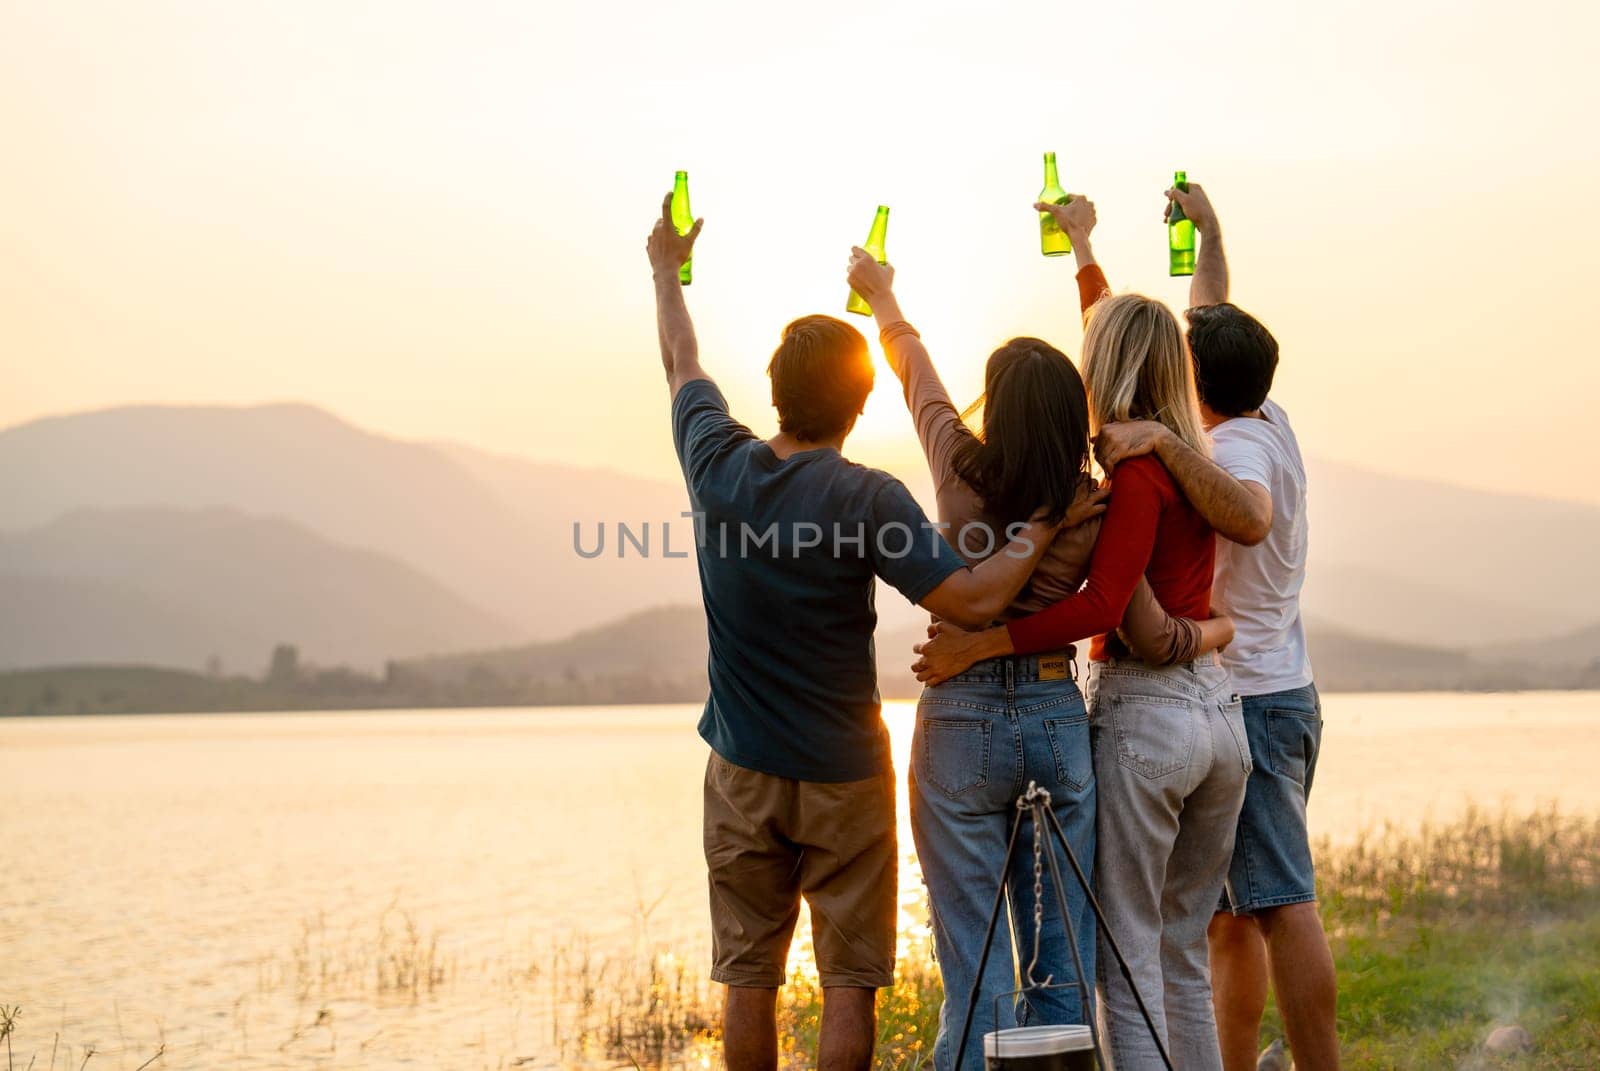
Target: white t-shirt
column 1259, row 586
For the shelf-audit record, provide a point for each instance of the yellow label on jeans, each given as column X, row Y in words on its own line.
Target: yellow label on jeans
column 1054, row 668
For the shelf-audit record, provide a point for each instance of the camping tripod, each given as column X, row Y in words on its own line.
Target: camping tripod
column 1036, row 803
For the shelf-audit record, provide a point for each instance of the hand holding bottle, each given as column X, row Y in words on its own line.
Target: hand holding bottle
column 1077, row 217
column 876, row 246
column 867, row 277
column 668, row 250
column 1195, row 206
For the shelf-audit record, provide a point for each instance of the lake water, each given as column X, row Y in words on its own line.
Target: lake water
column 401, row 889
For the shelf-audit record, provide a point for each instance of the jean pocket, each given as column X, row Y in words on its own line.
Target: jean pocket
column 954, row 755
column 1233, row 718
column 1067, row 729
column 1292, row 739
column 1154, row 733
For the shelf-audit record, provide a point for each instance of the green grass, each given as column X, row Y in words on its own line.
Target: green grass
column 1439, row 936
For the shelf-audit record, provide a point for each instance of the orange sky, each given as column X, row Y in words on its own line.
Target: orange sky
column 430, row 217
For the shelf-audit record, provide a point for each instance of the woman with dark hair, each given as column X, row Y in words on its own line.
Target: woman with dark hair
column 984, row 734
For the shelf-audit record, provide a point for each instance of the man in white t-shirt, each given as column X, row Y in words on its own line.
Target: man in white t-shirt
column 1267, row 925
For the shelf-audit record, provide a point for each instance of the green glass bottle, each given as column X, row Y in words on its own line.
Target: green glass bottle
column 874, row 245
column 682, row 220
column 1180, row 232
column 1053, row 241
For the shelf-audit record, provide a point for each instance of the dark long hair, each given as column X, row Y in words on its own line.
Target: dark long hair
column 1033, row 451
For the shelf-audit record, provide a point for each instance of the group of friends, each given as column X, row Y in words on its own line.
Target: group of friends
column 1179, row 772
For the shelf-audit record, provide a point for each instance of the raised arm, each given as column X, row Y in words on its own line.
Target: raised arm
column 938, row 422
column 1077, row 218
column 1240, row 511
column 1210, row 283
column 667, row 249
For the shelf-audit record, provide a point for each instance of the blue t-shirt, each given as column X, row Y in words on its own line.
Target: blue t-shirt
column 788, row 553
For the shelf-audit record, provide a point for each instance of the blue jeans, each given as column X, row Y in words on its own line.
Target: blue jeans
column 980, row 738
column 1170, row 762
column 1272, row 851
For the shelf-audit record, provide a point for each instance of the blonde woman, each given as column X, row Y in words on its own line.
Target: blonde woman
column 1170, row 753
column 984, row 735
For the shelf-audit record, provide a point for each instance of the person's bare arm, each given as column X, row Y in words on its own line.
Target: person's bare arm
column 1210, row 283
column 974, row 597
column 976, row 593
column 1239, row 511
column 667, row 249
column 951, row 650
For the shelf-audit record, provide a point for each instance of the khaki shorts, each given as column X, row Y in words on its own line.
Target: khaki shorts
column 771, row 841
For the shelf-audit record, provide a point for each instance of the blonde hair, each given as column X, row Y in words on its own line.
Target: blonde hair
column 1137, row 368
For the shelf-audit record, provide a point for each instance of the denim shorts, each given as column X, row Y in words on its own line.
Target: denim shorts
column 1272, row 851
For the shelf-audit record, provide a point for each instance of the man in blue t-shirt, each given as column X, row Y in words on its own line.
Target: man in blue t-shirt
column 799, row 791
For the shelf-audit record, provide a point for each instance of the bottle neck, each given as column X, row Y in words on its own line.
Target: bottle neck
column 879, row 232
column 1050, row 176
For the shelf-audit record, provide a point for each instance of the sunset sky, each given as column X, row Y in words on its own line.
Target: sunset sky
column 430, row 218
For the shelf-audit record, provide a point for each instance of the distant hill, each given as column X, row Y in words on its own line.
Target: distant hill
column 179, row 587
column 657, row 656
column 1579, row 647
column 1405, row 609
column 497, row 532
column 1503, row 549
column 136, row 690
column 1408, row 561
column 668, row 645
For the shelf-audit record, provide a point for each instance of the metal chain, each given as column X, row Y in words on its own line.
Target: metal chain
column 1031, row 803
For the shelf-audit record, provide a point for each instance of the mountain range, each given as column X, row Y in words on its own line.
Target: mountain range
column 666, row 647
column 184, row 587
column 188, row 535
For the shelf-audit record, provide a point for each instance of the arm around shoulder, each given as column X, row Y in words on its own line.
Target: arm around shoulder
column 1237, row 510
column 972, row 598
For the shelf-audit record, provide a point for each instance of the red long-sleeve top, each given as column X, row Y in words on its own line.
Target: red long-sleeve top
column 1150, row 529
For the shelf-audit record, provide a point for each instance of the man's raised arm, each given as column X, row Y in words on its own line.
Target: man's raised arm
column 667, row 249
column 1239, row 511
column 1210, row 283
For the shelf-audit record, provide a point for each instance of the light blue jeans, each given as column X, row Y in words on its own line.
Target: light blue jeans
column 980, row 738
column 1170, row 758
